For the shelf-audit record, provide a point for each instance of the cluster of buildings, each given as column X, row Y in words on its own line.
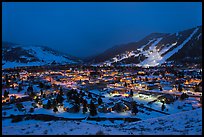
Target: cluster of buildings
column 115, row 81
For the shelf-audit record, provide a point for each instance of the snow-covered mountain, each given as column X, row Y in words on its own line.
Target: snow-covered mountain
column 14, row 55
column 156, row 49
column 153, row 50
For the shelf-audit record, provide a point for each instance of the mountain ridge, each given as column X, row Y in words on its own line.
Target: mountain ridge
column 154, row 49
column 168, row 42
column 14, row 55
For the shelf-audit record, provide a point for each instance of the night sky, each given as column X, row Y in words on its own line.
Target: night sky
column 85, row 29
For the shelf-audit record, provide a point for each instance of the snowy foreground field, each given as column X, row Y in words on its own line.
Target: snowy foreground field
column 182, row 123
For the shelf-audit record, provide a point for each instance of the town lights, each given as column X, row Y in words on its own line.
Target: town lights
column 125, row 95
column 65, row 109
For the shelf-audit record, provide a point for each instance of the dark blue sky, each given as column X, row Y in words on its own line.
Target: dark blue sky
column 84, row 29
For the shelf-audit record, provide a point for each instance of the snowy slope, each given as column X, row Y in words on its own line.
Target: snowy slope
column 46, row 56
column 18, row 55
column 156, row 49
column 183, row 123
column 169, row 54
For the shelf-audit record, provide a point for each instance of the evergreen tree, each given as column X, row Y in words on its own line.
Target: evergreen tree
column 55, row 109
column 93, row 111
column 20, row 88
column 19, row 106
column 77, row 100
column 80, row 99
column 68, row 95
column 76, row 108
column 84, row 106
column 134, row 109
column 84, row 102
column 6, row 94
column 49, row 104
column 32, row 94
column 41, row 85
column 183, row 96
column 30, row 89
column 181, row 74
column 61, row 91
column 131, row 93
column 83, row 94
column 118, row 107
column 44, row 95
column 89, row 95
column 54, row 103
column 6, row 78
column 163, row 107
column 84, row 109
column 100, row 101
column 41, row 91
column 59, row 98
column 31, row 110
column 180, row 88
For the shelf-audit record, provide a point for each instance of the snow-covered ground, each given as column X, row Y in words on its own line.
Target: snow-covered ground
column 185, row 112
column 185, row 105
column 183, row 123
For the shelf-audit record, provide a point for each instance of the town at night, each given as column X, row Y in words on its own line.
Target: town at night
column 76, row 79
